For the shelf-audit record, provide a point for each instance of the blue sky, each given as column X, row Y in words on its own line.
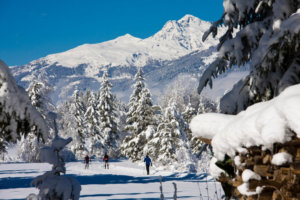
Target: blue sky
column 31, row 29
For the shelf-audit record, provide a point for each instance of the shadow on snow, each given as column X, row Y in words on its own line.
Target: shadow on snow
column 102, row 179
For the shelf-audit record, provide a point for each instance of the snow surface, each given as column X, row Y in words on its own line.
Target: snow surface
column 261, row 124
column 124, row 180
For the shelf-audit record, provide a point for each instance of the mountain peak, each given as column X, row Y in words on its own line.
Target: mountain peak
column 184, row 34
column 126, row 37
column 188, row 18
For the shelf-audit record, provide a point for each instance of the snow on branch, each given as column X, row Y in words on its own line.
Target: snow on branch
column 21, row 116
column 216, row 68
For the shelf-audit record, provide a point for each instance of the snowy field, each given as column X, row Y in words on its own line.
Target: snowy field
column 124, row 180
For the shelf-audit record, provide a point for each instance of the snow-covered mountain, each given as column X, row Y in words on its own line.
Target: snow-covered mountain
column 175, row 50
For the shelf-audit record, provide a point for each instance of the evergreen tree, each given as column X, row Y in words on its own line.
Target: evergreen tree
column 144, row 115
column 134, row 99
column 121, row 109
column 28, row 148
column 90, row 119
column 92, row 125
column 108, row 125
column 268, row 37
column 91, row 122
column 17, row 116
column 39, row 92
column 145, row 121
column 206, row 106
column 72, row 123
column 170, row 144
column 189, row 113
column 141, row 115
column 80, row 120
column 196, row 144
column 88, row 98
column 39, row 95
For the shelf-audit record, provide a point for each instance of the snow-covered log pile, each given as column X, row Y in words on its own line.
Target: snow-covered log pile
column 258, row 149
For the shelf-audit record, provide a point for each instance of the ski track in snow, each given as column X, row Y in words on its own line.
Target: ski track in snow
column 124, row 180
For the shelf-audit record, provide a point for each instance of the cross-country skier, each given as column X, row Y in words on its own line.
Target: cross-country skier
column 87, row 161
column 148, row 162
column 105, row 159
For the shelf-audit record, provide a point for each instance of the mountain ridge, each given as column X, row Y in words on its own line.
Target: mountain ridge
column 174, row 40
column 161, row 56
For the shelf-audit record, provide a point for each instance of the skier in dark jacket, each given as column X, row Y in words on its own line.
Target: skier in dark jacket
column 148, row 162
column 87, row 161
column 105, row 159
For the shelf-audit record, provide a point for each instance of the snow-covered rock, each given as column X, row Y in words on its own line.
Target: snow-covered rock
column 282, row 158
column 249, row 174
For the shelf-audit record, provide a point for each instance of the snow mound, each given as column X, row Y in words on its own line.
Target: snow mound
column 214, row 170
column 262, row 124
column 249, row 174
column 282, row 158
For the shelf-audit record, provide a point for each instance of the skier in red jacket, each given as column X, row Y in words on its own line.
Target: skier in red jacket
column 105, row 159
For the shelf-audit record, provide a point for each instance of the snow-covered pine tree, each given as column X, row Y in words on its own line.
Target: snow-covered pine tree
column 170, row 144
column 108, row 125
column 78, row 109
column 72, row 123
column 88, row 98
column 121, row 109
column 144, row 114
column 142, row 119
column 134, row 99
column 196, row 144
column 264, row 33
column 17, row 116
column 206, row 105
column 145, row 122
column 92, row 123
column 39, row 92
column 189, row 113
column 28, row 148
